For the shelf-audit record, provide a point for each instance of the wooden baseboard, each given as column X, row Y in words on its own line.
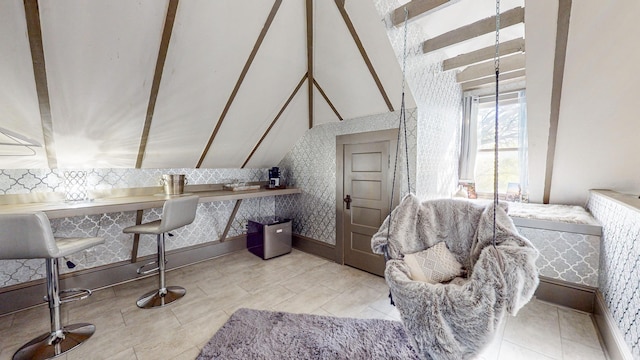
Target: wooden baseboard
column 29, row 294
column 613, row 339
column 315, row 247
column 575, row 296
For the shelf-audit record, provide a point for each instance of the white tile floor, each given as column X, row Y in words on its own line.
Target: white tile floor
column 297, row 282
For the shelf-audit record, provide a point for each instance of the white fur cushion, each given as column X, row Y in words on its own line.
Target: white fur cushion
column 434, row 265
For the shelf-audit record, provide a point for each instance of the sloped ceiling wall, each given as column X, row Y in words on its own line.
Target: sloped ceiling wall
column 220, row 77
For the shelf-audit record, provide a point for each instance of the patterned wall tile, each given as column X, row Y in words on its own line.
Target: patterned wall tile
column 439, row 100
column 619, row 279
column 566, row 256
column 211, row 218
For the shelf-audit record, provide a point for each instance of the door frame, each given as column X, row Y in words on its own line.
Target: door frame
column 390, row 135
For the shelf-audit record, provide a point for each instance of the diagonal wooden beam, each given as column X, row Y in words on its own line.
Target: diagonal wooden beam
column 309, row 8
column 157, row 77
column 481, row 27
column 486, row 69
column 326, row 98
column 243, row 73
column 417, row 8
column 34, row 31
column 363, row 52
column 474, row 57
column 232, row 217
column 474, row 84
column 562, row 36
column 284, row 107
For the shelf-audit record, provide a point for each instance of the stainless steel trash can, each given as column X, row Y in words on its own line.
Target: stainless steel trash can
column 268, row 237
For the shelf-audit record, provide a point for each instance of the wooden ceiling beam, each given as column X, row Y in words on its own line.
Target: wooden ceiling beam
column 562, row 37
column 326, row 98
column 34, row 31
column 245, row 69
column 478, row 28
column 157, row 78
column 487, row 68
column 417, row 8
column 284, row 107
column 487, row 53
column 354, row 34
column 475, row 84
column 309, row 8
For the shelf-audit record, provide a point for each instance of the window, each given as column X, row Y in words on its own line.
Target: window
column 480, row 144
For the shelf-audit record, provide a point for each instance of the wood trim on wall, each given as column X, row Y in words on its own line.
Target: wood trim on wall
column 243, row 73
column 157, row 77
column 314, row 247
column 34, row 31
column 611, row 336
column 354, row 34
column 309, row 9
column 284, row 107
column 562, row 37
column 326, row 98
column 575, row 296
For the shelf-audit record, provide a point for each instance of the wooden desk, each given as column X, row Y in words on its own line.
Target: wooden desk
column 148, row 198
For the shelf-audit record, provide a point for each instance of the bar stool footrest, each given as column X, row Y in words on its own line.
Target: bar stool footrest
column 155, row 269
column 77, row 294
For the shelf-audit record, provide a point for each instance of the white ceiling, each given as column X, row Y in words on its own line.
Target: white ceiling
column 100, row 60
column 101, row 56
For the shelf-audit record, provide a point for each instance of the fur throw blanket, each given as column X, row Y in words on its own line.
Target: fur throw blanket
column 456, row 321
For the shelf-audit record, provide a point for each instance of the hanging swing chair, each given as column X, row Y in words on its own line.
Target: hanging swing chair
column 455, row 267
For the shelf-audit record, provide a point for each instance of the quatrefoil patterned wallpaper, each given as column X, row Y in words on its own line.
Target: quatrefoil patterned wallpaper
column 566, row 256
column 619, row 279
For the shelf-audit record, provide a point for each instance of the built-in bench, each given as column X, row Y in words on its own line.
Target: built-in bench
column 568, row 238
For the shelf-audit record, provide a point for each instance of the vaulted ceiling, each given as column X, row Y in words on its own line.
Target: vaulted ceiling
column 184, row 83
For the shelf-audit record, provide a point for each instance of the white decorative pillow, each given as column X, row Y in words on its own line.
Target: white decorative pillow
column 434, row 265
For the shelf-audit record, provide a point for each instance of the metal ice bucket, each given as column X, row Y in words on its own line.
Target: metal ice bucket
column 173, row 184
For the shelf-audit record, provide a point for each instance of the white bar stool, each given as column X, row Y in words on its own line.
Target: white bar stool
column 29, row 236
column 176, row 213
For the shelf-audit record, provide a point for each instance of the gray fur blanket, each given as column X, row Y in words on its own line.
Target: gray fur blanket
column 449, row 321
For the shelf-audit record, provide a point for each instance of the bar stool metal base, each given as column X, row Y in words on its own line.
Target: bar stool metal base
column 40, row 347
column 155, row 299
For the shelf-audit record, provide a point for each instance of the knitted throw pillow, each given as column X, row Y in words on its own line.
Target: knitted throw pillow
column 434, row 265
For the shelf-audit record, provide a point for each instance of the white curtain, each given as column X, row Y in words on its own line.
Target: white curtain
column 468, row 143
column 524, row 145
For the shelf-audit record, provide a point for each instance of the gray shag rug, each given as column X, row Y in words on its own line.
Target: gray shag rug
column 259, row 334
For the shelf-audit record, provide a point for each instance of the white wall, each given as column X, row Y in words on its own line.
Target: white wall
column 596, row 142
column 598, row 145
